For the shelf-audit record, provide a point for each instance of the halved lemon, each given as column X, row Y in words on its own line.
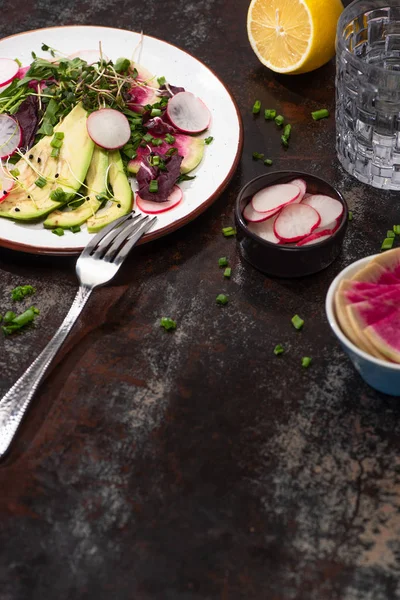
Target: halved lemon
column 293, row 36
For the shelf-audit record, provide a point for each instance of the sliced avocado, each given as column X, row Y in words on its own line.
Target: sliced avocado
column 191, row 148
column 96, row 184
column 27, row 201
column 122, row 196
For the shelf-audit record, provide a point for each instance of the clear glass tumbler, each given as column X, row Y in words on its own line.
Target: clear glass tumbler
column 368, row 92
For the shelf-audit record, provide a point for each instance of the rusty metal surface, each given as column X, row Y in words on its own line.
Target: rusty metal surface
column 196, row 465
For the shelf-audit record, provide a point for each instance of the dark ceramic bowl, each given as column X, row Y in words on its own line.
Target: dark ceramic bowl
column 284, row 260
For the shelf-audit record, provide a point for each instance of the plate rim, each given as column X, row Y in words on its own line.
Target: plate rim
column 149, row 237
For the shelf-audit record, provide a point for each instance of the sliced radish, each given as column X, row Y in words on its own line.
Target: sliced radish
column 108, row 128
column 10, row 135
column 154, row 208
column 188, row 113
column 6, row 183
column 296, row 221
column 8, row 70
column 315, row 238
column 303, row 187
column 328, row 208
column 265, row 230
column 275, row 196
column 89, row 56
column 330, row 228
column 252, row 216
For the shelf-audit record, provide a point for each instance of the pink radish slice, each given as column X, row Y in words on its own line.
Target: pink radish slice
column 89, row 56
column 188, row 113
column 10, row 135
column 6, row 183
column 315, row 238
column 108, row 128
column 8, row 70
column 330, row 228
column 328, row 208
column 301, row 184
column 154, row 208
column 252, row 216
column 296, row 221
column 275, row 196
column 265, row 230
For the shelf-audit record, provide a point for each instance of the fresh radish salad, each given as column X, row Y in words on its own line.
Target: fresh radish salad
column 287, row 214
column 75, row 129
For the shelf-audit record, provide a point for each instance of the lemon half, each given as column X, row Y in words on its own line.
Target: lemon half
column 293, row 36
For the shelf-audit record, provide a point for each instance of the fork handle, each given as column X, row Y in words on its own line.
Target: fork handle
column 14, row 404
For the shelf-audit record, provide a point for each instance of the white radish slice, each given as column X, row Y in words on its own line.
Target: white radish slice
column 275, row 196
column 188, row 113
column 265, row 230
column 296, row 221
column 6, row 183
column 314, row 238
column 10, row 135
column 331, row 227
column 108, row 128
column 89, row 56
column 154, row 208
column 328, row 208
column 303, row 188
column 8, row 70
column 252, row 216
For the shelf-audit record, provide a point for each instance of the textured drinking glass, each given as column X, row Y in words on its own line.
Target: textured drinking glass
column 368, row 92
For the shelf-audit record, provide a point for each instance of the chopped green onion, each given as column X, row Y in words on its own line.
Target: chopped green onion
column 227, row 272
column 284, row 141
column 156, row 141
column 208, row 140
column 169, row 138
column 396, row 229
column 161, row 81
column 59, row 135
column 167, row 323
column 153, row 186
column 21, row 291
column 279, row 349
column 147, row 137
column 41, row 182
column 256, row 107
column 279, row 120
column 156, row 112
column 268, row 162
column 222, row 299
column 19, row 321
column 269, row 114
column 287, row 131
column 58, row 231
column 350, row 217
column 171, row 151
column 58, row 195
column 56, row 143
column 320, row 114
column 155, row 161
column 14, row 172
column 228, row 231
column 222, row 262
column 297, row 322
column 387, row 243
column 9, row 316
column 390, row 234
column 305, row 361
column 55, row 152
column 75, row 228
column 257, row 156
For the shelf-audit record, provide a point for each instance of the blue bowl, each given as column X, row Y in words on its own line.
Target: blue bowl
column 379, row 374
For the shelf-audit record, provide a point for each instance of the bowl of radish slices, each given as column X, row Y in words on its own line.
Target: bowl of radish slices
column 290, row 224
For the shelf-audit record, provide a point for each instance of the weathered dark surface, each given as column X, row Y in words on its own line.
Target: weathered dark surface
column 197, row 465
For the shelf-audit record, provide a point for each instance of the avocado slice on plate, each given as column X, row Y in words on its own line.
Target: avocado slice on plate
column 26, row 201
column 96, row 184
column 121, row 203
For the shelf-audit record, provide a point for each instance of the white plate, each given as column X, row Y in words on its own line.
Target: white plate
column 180, row 68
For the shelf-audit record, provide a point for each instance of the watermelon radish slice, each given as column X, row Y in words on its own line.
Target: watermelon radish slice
column 89, row 56
column 275, row 196
column 6, row 183
column 390, row 260
column 368, row 312
column 374, row 273
column 191, row 148
column 301, row 184
column 144, row 89
column 153, row 208
column 296, row 221
column 108, row 128
column 328, row 208
column 315, row 238
column 252, row 216
column 188, row 113
column 8, row 70
column 357, row 291
column 265, row 230
column 10, row 136
column 384, row 334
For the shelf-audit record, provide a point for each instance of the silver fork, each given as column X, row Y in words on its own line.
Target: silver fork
column 96, row 266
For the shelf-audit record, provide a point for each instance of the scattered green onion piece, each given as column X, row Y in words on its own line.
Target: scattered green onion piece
column 147, row 137
column 223, row 262
column 56, row 143
column 169, row 138
column 279, row 120
column 267, row 162
column 21, row 291
column 297, row 322
column 222, row 299
column 305, row 361
column 14, row 172
column 167, row 323
column 155, row 161
column 269, row 114
column 59, row 135
column 228, row 231
column 171, row 151
column 25, row 317
column 390, row 234
column 153, row 186
column 257, row 156
column 320, row 114
column 55, row 152
column 350, row 217
column 161, row 81
column 227, row 272
column 396, row 229
column 284, row 141
column 156, row 112
column 75, row 228
column 279, row 349
column 256, row 107
column 208, row 140
column 156, row 141
column 58, row 231
column 387, row 243
column 40, row 182
column 9, row 316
